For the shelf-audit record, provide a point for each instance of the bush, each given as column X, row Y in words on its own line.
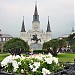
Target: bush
column 37, row 51
column 32, row 65
column 40, row 51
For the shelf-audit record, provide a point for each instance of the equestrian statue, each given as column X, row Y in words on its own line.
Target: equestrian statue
column 35, row 38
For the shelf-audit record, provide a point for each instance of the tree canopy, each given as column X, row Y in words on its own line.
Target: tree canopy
column 54, row 44
column 71, row 41
column 16, row 43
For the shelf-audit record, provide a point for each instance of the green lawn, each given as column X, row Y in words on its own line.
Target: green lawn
column 66, row 57
column 63, row 57
column 3, row 55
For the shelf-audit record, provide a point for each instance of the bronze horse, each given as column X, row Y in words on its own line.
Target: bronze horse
column 35, row 38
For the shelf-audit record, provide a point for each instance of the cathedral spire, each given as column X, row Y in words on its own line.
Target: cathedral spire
column 23, row 27
column 35, row 16
column 48, row 26
column 35, row 12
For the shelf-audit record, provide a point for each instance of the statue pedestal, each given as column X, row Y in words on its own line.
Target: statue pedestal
column 36, row 46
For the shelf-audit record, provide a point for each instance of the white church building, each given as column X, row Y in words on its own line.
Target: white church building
column 27, row 36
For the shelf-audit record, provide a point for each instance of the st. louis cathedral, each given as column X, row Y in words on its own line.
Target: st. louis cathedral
column 43, row 36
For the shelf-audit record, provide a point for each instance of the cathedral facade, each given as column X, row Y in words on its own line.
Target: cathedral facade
column 43, row 36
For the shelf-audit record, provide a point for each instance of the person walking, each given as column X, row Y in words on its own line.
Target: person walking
column 31, row 51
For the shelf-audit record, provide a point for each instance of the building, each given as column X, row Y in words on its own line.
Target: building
column 27, row 36
column 4, row 38
column 67, row 35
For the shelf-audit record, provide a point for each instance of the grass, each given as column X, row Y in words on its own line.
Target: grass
column 3, row 55
column 66, row 57
column 63, row 57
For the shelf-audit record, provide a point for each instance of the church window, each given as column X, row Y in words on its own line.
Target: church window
column 30, row 35
column 0, row 39
column 3, row 39
column 7, row 39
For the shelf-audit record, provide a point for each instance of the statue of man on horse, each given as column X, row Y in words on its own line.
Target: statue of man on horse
column 35, row 38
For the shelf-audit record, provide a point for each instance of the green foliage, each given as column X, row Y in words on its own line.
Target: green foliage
column 64, row 57
column 62, row 43
column 9, row 68
column 31, row 65
column 54, row 44
column 24, row 66
column 40, row 51
column 16, row 43
column 73, row 47
column 2, row 56
column 71, row 41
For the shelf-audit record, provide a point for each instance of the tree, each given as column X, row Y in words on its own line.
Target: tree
column 16, row 44
column 73, row 48
column 1, row 47
column 54, row 45
column 71, row 41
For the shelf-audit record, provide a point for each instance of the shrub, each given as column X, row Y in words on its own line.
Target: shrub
column 32, row 65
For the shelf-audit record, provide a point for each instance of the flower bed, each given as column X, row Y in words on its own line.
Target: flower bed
column 32, row 65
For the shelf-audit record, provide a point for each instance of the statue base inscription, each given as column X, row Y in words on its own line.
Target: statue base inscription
column 36, row 46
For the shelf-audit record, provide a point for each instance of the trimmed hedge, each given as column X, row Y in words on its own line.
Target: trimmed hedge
column 40, row 51
column 37, row 51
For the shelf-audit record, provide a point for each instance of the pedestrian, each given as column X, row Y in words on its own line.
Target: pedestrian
column 31, row 51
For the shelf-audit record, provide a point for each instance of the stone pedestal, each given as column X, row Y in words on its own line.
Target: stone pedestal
column 36, row 46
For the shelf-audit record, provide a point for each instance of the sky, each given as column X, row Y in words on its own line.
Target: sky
column 60, row 12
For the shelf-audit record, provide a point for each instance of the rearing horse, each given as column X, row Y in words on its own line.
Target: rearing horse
column 35, row 38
